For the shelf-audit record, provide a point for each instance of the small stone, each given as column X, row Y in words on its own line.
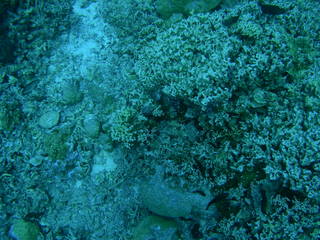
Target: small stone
column 103, row 162
column 23, row 230
column 35, row 161
column 49, row 119
column 259, row 98
column 156, row 224
column 71, row 93
column 91, row 126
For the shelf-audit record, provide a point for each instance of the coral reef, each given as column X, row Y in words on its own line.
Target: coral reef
column 167, row 119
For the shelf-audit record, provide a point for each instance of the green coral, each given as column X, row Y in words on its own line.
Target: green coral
column 55, row 144
column 302, row 53
column 10, row 115
column 7, row 5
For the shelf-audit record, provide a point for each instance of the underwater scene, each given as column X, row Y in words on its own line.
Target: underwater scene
column 159, row 120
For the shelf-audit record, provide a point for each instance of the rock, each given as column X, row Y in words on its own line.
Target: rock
column 71, row 93
column 166, row 201
column 166, row 8
column 156, row 226
column 103, row 162
column 23, row 230
column 91, row 126
column 36, row 161
column 49, row 119
column 275, row 7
